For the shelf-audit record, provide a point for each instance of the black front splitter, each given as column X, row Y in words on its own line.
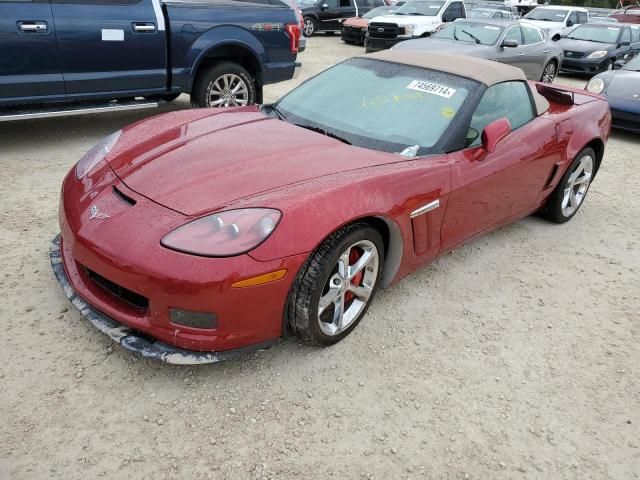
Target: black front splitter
column 133, row 340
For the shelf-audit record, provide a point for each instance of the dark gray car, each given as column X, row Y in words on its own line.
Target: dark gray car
column 506, row 41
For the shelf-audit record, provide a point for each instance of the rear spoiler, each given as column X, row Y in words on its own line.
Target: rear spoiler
column 556, row 95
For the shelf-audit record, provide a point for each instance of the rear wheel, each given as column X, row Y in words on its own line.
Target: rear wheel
column 226, row 84
column 336, row 285
column 569, row 195
column 549, row 72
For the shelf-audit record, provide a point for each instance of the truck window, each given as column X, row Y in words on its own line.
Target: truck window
column 626, row 36
column 582, row 17
column 453, row 12
column 635, row 34
column 573, row 18
column 345, row 3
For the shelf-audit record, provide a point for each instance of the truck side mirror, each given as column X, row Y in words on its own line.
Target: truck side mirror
column 618, row 64
column 324, row 6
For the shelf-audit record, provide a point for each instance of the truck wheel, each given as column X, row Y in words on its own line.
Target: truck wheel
column 225, row 84
column 310, row 26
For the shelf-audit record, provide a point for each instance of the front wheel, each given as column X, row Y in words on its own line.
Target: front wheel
column 549, row 72
column 226, row 84
column 336, row 285
column 309, row 27
column 570, row 193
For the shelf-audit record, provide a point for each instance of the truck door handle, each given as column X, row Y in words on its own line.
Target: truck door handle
column 33, row 27
column 521, row 54
column 545, row 51
column 144, row 27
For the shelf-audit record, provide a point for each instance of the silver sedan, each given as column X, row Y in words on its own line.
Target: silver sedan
column 506, row 41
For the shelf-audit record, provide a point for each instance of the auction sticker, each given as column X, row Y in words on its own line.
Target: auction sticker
column 432, row 88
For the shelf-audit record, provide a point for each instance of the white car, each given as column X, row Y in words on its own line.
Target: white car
column 414, row 19
column 558, row 20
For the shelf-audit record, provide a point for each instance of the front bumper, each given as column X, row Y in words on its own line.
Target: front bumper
column 131, row 339
column 627, row 121
column 375, row 44
column 353, row 34
column 584, row 66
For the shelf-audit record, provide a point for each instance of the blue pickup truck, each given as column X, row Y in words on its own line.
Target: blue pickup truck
column 75, row 56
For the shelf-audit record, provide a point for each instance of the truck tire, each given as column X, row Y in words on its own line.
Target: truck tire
column 224, row 84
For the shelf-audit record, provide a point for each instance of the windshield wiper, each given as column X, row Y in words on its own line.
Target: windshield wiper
column 274, row 109
column 472, row 36
column 324, row 132
column 455, row 36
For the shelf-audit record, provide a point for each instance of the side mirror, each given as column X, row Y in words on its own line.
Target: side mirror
column 510, row 44
column 569, row 23
column 494, row 133
column 324, row 6
column 618, row 64
column 624, row 44
column 446, row 19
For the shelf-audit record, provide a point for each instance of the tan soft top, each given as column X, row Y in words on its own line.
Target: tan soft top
column 478, row 69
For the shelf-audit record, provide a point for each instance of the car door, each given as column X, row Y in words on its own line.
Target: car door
column 29, row 68
column 111, row 46
column 511, row 55
column 535, row 51
column 488, row 189
column 329, row 15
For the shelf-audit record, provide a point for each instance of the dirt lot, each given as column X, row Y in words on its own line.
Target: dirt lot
column 513, row 357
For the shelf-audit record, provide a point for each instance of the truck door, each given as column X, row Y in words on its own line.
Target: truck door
column 111, row 46
column 29, row 66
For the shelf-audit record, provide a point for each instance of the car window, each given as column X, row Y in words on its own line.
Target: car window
column 509, row 99
column 573, row 18
column 514, row 34
column 345, row 3
column 635, row 34
column 380, row 105
column 531, row 35
column 626, row 36
column 331, row 4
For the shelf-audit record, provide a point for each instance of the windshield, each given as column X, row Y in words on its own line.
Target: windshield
column 594, row 33
column 306, row 2
column 633, row 64
column 480, row 13
column 474, row 32
column 376, row 12
column 379, row 105
column 547, row 14
column 420, row 7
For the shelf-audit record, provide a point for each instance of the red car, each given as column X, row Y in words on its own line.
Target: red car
column 197, row 235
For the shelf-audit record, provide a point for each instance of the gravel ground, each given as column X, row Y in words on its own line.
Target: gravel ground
column 515, row 356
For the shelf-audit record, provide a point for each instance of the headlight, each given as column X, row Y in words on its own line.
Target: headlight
column 224, row 234
column 408, row 31
column 96, row 154
column 595, row 85
column 598, row 54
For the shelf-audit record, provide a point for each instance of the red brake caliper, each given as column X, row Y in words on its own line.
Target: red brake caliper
column 354, row 256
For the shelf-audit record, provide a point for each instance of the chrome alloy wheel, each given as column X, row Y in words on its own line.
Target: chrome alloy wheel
column 228, row 90
column 349, row 287
column 549, row 73
column 577, row 185
column 309, row 27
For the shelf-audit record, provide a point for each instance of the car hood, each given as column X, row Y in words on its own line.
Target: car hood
column 623, row 85
column 205, row 164
column 583, row 46
column 545, row 25
column 356, row 22
column 451, row 46
column 405, row 19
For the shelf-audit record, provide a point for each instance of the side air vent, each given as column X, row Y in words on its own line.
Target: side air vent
column 126, row 199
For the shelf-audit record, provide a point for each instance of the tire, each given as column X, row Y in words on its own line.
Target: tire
column 322, row 278
column 568, row 196
column 224, row 77
column 549, row 73
column 310, row 26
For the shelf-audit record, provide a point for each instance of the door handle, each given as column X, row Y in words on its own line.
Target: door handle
column 144, row 27
column 520, row 54
column 545, row 51
column 33, row 27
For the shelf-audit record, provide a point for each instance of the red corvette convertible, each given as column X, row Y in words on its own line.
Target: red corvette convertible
column 197, row 235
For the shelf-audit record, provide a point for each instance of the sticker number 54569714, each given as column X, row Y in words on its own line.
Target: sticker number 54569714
column 433, row 88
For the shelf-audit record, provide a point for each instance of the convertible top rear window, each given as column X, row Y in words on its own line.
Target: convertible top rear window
column 380, row 105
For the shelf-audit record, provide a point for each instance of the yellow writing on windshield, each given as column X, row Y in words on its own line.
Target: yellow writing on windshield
column 381, row 100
